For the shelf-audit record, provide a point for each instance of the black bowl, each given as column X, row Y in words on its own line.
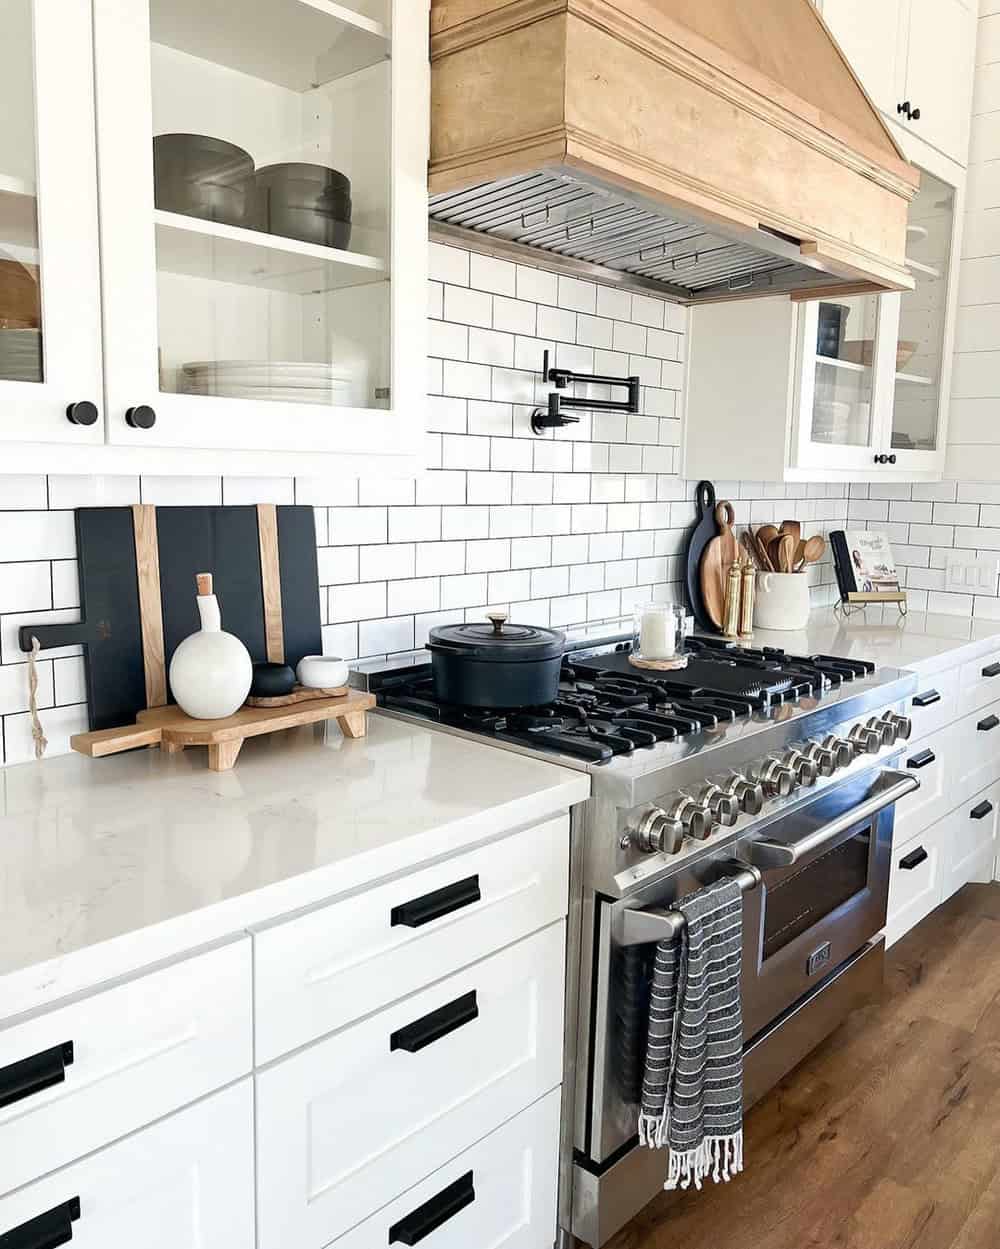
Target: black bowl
column 200, row 176
column 307, row 202
column 271, row 680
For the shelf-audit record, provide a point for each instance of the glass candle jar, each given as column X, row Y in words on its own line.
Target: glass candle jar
column 658, row 631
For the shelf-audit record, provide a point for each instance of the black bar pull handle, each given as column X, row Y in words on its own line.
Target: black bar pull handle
column 423, row 1032
column 926, row 699
column 991, row 670
column 435, row 905
column 987, row 725
column 981, row 811
column 909, row 861
column 31, row 1075
column 434, row 1213
column 921, row 759
column 54, row 1227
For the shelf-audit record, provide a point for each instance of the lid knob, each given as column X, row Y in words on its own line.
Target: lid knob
column 497, row 619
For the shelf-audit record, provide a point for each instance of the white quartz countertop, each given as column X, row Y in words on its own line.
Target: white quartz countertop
column 110, row 865
column 922, row 642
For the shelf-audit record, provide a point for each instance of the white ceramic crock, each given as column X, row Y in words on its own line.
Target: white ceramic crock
column 782, row 600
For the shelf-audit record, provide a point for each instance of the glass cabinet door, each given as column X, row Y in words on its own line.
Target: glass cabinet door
column 50, row 381
column 922, row 320
column 253, row 253
column 841, row 341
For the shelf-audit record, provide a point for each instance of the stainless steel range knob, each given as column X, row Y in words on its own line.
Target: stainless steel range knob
column 695, row 816
column 894, row 728
column 723, row 806
column 657, row 832
column 747, row 794
column 804, row 769
column 777, row 780
column 884, row 728
column 864, row 740
column 822, row 757
column 842, row 750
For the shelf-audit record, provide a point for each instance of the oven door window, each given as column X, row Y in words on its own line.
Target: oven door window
column 798, row 897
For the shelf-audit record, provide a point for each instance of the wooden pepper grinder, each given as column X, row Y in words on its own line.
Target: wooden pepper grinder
column 731, row 611
column 748, row 594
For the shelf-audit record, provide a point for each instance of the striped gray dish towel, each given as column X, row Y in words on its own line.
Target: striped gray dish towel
column 692, row 1093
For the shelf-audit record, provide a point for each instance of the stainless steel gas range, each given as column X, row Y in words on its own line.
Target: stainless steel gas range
column 781, row 770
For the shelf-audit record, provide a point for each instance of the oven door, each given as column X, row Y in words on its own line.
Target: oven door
column 824, row 880
column 823, row 895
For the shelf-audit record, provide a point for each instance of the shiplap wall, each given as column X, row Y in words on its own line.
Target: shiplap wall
column 565, row 529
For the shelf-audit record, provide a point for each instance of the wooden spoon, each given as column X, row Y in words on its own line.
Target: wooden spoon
column 787, row 544
column 763, row 555
column 749, row 545
column 793, row 527
column 767, row 534
column 813, row 549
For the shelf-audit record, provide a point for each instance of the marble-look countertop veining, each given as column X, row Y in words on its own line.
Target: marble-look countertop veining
column 919, row 641
column 113, row 864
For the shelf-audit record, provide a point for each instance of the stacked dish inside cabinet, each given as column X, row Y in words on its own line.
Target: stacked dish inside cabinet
column 271, row 145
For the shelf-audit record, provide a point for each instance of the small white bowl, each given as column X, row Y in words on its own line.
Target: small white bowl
column 322, row 672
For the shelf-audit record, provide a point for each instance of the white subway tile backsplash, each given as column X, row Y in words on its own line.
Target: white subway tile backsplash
column 486, row 273
column 467, row 381
column 22, row 491
column 464, row 591
column 365, row 601
column 251, row 490
column 420, row 594
column 14, row 687
column 448, row 340
column 489, row 487
column 629, row 338
column 36, row 535
column 441, row 487
column 510, row 521
column 449, row 264
column 465, row 522
column 338, row 565
column 511, row 455
column 648, row 311
column 79, row 491
column 381, row 637
column 25, row 587
column 536, row 285
column 391, row 562
column 558, row 324
column 578, row 295
column 489, row 555
column 65, row 583
column 181, row 491
column 414, row 524
column 491, row 347
column 352, row 526
column 515, row 316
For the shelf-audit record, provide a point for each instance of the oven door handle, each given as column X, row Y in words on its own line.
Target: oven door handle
column 632, row 926
column 892, row 786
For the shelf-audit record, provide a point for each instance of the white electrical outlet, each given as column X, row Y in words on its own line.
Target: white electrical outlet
column 965, row 572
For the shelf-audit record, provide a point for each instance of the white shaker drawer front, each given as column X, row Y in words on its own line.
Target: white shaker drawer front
column 500, row 1193
column 979, row 682
column 318, row 972
column 932, row 762
column 915, row 882
column 935, row 703
column 977, row 749
column 184, row 1183
column 972, row 842
column 136, row 1052
column 349, row 1123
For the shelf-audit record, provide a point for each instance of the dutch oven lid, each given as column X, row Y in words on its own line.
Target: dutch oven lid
column 494, row 640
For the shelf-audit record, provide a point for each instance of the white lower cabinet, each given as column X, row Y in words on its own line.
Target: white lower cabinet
column 351, row 1121
column 500, row 1193
column 78, row 1077
column 185, row 1183
column 973, row 842
column 915, row 882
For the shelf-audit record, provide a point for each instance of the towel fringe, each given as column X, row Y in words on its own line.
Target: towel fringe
column 717, row 1157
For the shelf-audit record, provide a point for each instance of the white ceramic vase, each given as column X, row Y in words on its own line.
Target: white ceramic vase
column 211, row 671
column 782, row 600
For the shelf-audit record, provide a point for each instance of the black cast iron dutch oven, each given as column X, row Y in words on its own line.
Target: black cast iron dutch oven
column 496, row 665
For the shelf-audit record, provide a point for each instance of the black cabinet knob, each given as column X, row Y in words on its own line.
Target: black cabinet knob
column 82, row 413
column 885, row 459
column 907, row 110
column 915, row 114
column 142, row 417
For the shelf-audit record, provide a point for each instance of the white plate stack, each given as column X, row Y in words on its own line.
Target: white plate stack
column 277, row 381
column 20, row 355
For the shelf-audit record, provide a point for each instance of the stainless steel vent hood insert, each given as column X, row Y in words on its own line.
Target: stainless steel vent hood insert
column 616, row 134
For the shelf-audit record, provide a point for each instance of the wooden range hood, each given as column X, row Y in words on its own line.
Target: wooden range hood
column 716, row 149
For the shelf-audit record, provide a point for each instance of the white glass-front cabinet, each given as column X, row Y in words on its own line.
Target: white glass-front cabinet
column 255, row 279
column 852, row 388
column 50, row 315
column 262, row 167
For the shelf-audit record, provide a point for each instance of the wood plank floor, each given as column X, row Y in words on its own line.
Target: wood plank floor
column 888, row 1135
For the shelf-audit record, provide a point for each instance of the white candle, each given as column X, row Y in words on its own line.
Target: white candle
column 656, row 633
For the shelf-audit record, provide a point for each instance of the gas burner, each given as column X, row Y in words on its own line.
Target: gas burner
column 606, row 707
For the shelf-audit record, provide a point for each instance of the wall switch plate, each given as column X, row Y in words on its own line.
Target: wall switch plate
column 965, row 572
